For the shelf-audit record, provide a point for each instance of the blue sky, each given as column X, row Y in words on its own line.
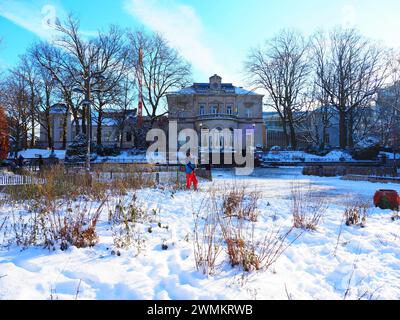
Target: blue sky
column 214, row 35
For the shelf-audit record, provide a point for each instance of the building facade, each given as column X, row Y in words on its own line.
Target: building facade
column 116, row 128
column 217, row 106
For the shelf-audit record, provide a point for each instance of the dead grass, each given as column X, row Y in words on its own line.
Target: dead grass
column 70, row 184
column 251, row 251
column 308, row 207
column 231, row 219
column 61, row 224
column 240, row 203
column 356, row 214
column 207, row 242
column 123, row 218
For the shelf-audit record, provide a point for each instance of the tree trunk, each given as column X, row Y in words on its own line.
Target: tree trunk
column 50, row 142
column 285, row 132
column 342, row 129
column 99, row 126
column 25, row 137
column 350, row 130
column 33, row 118
column 65, row 129
column 17, row 141
column 293, row 138
column 32, row 133
column 83, row 124
column 322, row 145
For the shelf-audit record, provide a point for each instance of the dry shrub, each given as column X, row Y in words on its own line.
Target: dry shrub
column 121, row 178
column 308, row 208
column 250, row 252
column 62, row 223
column 240, row 203
column 206, row 242
column 131, row 181
column 123, row 218
column 79, row 229
column 59, row 183
column 240, row 250
column 356, row 214
column 128, row 210
column 73, row 182
column 231, row 219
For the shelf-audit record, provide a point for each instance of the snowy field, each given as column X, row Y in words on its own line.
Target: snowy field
column 360, row 263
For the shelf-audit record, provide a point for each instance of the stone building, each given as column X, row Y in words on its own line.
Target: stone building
column 218, row 105
column 117, row 128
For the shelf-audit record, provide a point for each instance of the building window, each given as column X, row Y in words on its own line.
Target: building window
column 214, row 109
column 202, row 110
column 229, row 110
column 128, row 137
column 327, row 138
column 249, row 113
column 108, row 136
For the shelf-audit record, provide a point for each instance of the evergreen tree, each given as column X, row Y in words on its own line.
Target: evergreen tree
column 77, row 150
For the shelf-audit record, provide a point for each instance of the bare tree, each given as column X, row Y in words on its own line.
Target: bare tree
column 388, row 104
column 349, row 69
column 28, row 72
column 79, row 61
column 125, row 99
column 320, row 117
column 113, row 65
column 56, row 63
column 281, row 68
column 163, row 70
column 47, row 97
column 15, row 100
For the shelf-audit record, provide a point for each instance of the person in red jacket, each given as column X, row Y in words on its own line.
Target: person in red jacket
column 190, row 168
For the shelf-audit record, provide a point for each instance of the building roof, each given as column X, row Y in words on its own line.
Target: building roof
column 199, row 88
column 205, row 88
column 58, row 108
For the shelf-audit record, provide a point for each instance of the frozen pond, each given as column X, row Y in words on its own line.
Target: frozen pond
column 278, row 182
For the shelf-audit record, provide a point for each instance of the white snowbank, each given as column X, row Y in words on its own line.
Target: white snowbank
column 34, row 153
column 298, row 156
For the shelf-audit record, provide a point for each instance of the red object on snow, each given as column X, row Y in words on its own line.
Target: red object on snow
column 387, row 199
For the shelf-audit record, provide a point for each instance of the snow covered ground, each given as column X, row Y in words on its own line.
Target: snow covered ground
column 301, row 156
column 367, row 260
column 34, row 153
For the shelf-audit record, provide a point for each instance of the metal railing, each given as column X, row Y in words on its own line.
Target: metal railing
column 218, row 116
column 17, row 180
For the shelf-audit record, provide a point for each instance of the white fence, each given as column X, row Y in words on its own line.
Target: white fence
column 16, row 180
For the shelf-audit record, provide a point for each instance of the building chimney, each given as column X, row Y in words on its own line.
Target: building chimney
column 215, row 82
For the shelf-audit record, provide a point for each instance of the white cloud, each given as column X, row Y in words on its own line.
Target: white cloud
column 34, row 16
column 349, row 16
column 184, row 30
column 38, row 16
